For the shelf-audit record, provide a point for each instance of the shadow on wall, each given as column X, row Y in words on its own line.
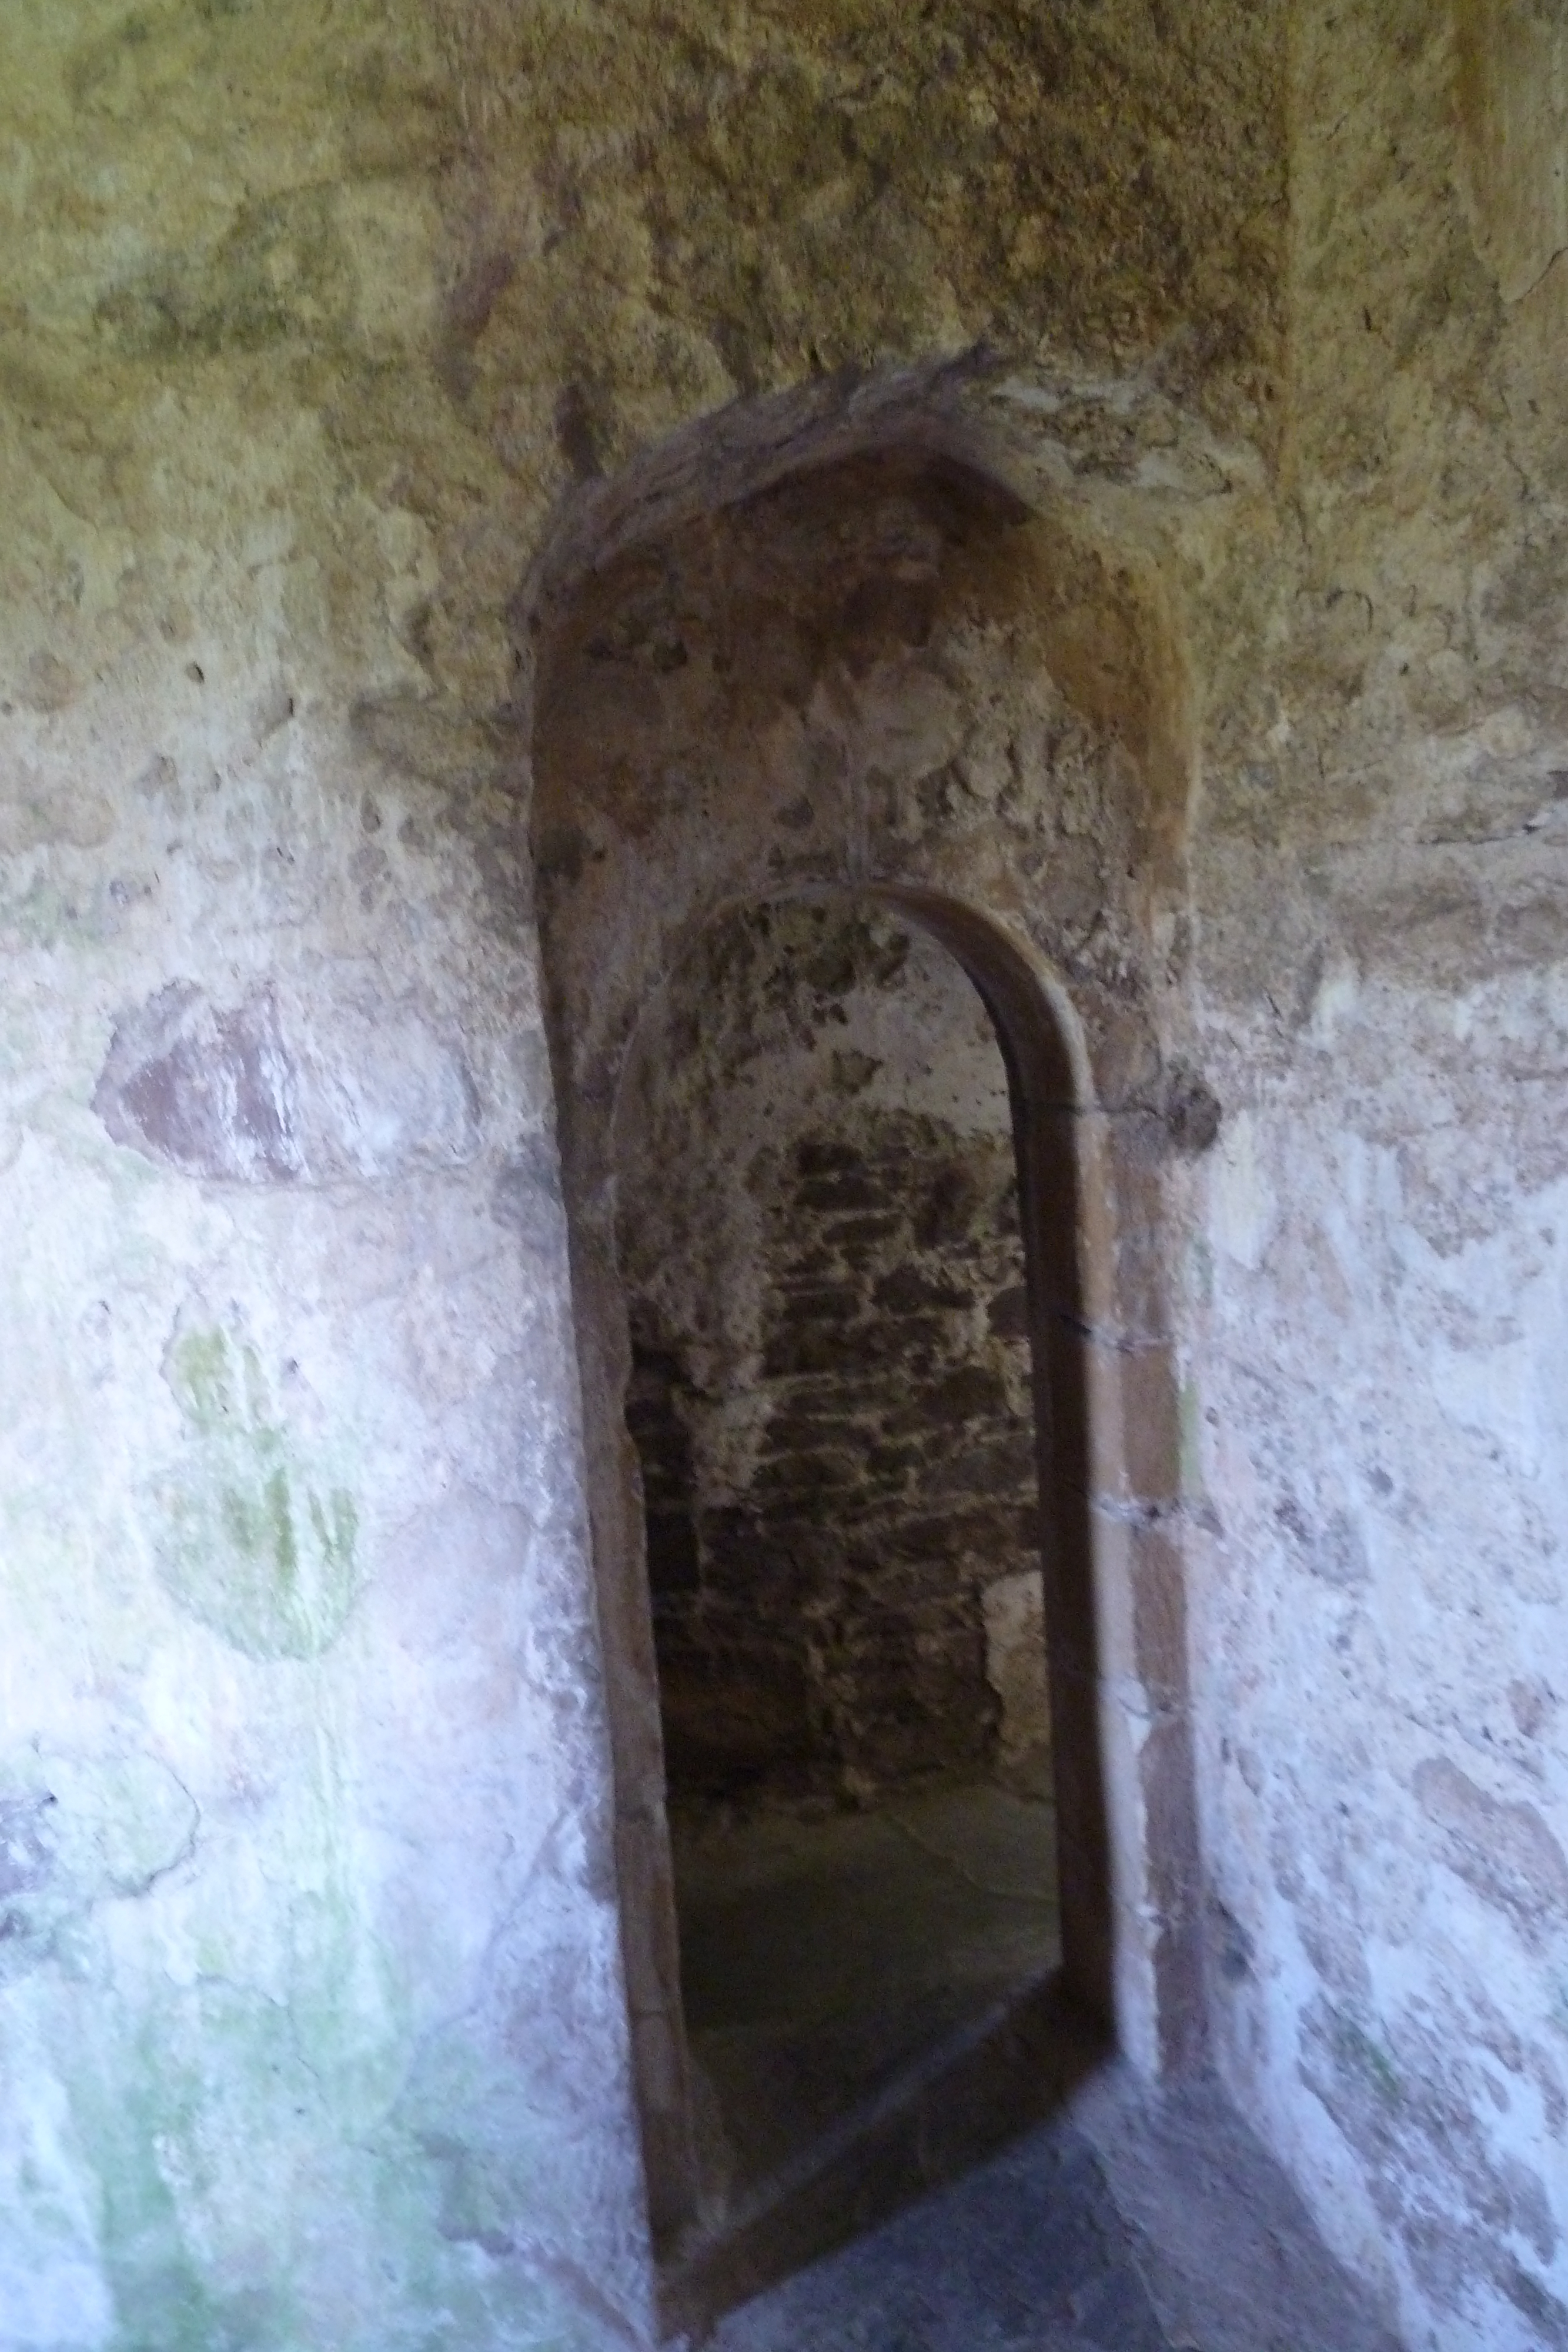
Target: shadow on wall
column 887, row 679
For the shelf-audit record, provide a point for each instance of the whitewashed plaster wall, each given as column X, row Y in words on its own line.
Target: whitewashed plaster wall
column 1379, row 1392
column 311, row 2021
column 302, row 1805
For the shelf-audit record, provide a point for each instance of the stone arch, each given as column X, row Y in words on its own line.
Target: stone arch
column 887, row 675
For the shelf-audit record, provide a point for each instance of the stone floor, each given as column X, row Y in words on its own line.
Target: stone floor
column 1129, row 2223
column 873, row 2016
column 825, row 1961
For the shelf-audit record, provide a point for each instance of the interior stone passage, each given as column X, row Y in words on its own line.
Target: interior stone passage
column 831, row 1387
column 831, row 1405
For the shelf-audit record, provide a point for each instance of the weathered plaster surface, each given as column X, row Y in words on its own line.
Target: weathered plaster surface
column 304, row 1889
column 1378, row 1287
column 676, row 208
column 311, row 2026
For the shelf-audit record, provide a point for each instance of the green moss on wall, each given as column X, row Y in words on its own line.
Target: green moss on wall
column 254, row 1540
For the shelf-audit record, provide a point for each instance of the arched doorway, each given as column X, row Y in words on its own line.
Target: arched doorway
column 886, row 682
column 831, row 1401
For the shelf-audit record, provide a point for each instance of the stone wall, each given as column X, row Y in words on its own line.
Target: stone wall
column 1377, row 1280
column 830, row 1392
column 303, row 1779
column 322, row 333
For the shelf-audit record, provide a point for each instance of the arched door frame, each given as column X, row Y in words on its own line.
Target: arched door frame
column 621, row 899
column 1088, row 1513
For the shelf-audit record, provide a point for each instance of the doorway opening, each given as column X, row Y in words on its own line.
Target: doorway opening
column 830, row 1397
column 880, row 689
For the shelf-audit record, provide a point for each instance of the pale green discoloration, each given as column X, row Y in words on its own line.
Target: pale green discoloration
column 1360, row 2053
column 1190, row 1409
column 251, row 1545
column 243, row 1877
column 216, row 2162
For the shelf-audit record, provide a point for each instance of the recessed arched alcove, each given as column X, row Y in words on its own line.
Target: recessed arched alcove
column 887, row 680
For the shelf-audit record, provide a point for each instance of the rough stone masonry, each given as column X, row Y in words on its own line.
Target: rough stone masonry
column 830, row 1394
column 344, row 355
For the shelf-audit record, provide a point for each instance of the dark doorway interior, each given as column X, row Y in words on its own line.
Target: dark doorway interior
column 831, row 1402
